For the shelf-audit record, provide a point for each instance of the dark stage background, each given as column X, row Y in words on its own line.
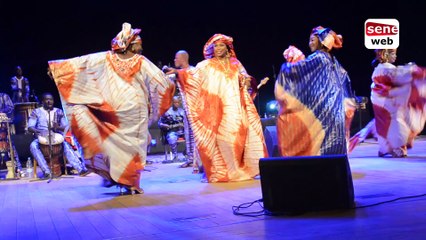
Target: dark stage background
column 33, row 32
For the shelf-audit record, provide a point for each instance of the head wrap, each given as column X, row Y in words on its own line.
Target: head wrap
column 126, row 37
column 382, row 56
column 208, row 50
column 293, row 54
column 328, row 37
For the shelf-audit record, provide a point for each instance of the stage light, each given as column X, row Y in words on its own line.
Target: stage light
column 272, row 108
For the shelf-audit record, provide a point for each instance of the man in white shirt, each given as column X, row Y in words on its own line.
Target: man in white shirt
column 20, row 87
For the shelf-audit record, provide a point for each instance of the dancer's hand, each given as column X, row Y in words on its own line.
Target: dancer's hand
column 55, row 127
column 292, row 54
column 49, row 73
column 169, row 70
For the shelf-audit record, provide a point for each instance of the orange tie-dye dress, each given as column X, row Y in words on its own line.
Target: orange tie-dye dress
column 110, row 102
column 226, row 125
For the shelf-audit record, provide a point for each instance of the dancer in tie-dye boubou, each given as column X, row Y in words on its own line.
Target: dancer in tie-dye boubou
column 398, row 95
column 111, row 98
column 227, row 128
column 315, row 97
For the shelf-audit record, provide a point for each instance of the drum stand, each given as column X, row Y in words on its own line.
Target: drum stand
column 12, row 157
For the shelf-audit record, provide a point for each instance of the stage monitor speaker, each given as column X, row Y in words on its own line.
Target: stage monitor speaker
column 294, row 185
column 270, row 134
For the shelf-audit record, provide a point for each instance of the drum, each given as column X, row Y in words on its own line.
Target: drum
column 57, row 148
column 22, row 114
column 56, row 138
column 4, row 142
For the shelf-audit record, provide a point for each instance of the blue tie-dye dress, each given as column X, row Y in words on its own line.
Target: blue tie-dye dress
column 311, row 94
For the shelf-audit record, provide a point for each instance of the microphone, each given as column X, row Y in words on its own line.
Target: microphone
column 165, row 68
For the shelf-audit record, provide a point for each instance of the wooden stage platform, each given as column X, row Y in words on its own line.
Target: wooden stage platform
column 176, row 205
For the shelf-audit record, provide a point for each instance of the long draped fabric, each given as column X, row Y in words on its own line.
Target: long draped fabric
column 311, row 94
column 191, row 149
column 224, row 120
column 110, row 102
column 398, row 94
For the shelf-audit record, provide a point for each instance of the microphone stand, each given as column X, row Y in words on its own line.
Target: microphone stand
column 49, row 129
column 51, row 150
column 258, row 104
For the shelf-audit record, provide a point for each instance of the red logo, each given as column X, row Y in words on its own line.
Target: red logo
column 380, row 29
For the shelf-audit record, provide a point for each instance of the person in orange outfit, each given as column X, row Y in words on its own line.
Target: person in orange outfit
column 111, row 98
column 226, row 125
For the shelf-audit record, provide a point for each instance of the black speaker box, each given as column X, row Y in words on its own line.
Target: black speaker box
column 294, row 185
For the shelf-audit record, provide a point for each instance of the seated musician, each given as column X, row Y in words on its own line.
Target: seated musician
column 6, row 107
column 171, row 123
column 38, row 124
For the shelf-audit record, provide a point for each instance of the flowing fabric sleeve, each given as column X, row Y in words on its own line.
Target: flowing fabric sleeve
column 401, row 78
column 349, row 100
column 191, row 81
column 76, row 78
column 409, row 74
column 347, row 86
column 201, row 102
column 161, row 90
column 416, row 117
column 294, row 77
column 404, row 74
column 311, row 97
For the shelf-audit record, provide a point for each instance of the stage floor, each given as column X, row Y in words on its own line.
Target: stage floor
column 176, row 205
